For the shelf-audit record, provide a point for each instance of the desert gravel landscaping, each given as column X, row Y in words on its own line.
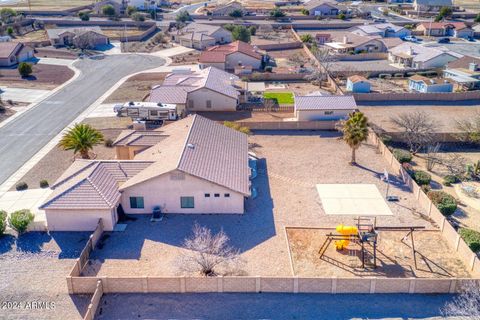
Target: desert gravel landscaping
column 290, row 167
column 137, row 87
column 44, row 76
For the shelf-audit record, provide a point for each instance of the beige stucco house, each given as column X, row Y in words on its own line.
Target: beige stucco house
column 12, row 53
column 201, row 36
column 198, row 167
column 230, row 56
column 84, row 37
column 210, row 89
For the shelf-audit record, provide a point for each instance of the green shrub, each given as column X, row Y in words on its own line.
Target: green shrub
column 44, row 183
column 268, row 69
column 342, row 16
column 19, row 220
column 108, row 143
column 3, row 222
column 444, row 202
column 471, row 237
column 422, row 177
column 402, row 155
column 25, row 69
column 21, row 186
column 449, row 180
column 137, row 16
column 426, row 188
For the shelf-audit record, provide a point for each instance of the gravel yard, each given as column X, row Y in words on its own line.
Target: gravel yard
column 44, row 76
column 58, row 160
column 394, row 257
column 33, row 268
column 136, row 88
column 290, row 167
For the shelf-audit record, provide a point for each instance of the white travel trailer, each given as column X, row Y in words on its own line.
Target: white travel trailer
column 147, row 111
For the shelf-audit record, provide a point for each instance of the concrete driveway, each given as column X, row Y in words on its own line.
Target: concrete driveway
column 22, row 94
column 23, row 137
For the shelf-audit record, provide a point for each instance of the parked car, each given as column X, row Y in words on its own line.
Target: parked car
column 471, row 39
column 379, row 20
column 411, row 39
column 444, row 40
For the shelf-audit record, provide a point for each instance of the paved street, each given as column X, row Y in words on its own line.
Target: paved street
column 21, row 138
column 271, row 306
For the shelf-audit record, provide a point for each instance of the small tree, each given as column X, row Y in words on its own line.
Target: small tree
column 355, row 132
column 10, row 31
column 131, row 10
column 81, row 139
column 183, row 17
column 206, row 252
column 306, row 38
column 25, row 69
column 325, row 60
column 7, row 15
column 418, row 129
column 465, row 306
column 3, row 221
column 108, row 10
column 237, row 13
column 469, row 129
column 19, row 220
column 137, row 16
column 84, row 16
column 305, row 12
column 277, row 13
column 241, row 33
column 342, row 16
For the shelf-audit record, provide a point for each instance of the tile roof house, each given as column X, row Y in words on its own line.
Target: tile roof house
column 427, row 85
column 410, row 55
column 210, row 89
column 342, row 42
column 445, row 29
column 12, row 53
column 384, row 30
column 230, row 56
column 200, row 167
column 465, row 72
column 201, row 36
column 318, row 107
column 322, row 8
column 227, row 8
column 81, row 37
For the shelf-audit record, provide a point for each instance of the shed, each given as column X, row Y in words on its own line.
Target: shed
column 358, row 84
column 332, row 108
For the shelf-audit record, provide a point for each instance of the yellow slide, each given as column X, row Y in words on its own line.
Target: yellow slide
column 345, row 231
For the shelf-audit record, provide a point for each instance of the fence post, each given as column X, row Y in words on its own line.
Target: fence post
column 474, row 259
column 373, row 281
column 295, row 284
column 457, row 243
column 183, row 285
column 104, row 280
column 453, row 286
column 257, row 284
column 443, row 224
column 430, row 204
column 70, row 285
column 334, row 285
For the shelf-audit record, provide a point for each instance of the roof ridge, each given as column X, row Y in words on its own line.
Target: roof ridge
column 96, row 188
column 62, row 193
column 186, row 141
column 91, row 163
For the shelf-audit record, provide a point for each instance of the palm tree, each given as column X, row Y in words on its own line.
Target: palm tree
column 81, row 139
column 355, row 131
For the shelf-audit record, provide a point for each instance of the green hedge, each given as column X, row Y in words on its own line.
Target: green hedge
column 422, row 177
column 445, row 203
column 3, row 222
column 471, row 237
column 402, row 155
column 19, row 220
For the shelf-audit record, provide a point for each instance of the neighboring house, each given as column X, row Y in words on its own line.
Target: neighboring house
column 445, row 29
column 228, row 8
column 464, row 72
column 201, row 36
column 230, row 56
column 322, row 8
column 322, row 38
column 384, row 30
column 200, row 167
column 210, row 89
column 318, row 107
column 431, row 5
column 358, row 84
column 118, row 5
column 12, row 53
column 410, row 55
column 342, row 42
column 82, row 37
column 427, row 85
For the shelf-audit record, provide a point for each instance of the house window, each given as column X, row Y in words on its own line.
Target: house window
column 187, row 202
column 217, row 195
column 227, row 195
column 327, row 113
column 207, row 195
column 136, row 203
column 209, row 104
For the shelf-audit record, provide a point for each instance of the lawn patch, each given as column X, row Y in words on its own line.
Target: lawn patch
column 280, row 97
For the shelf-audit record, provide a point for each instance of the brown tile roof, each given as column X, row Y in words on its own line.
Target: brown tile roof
column 8, row 48
column 357, row 78
column 199, row 147
column 220, row 53
column 441, row 25
column 92, row 184
column 463, row 62
column 139, row 138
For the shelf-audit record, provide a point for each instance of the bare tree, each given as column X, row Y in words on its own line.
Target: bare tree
column 469, row 129
column 207, row 252
column 297, row 60
column 454, row 163
column 432, row 156
column 85, row 40
column 466, row 305
column 418, row 129
column 323, row 70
